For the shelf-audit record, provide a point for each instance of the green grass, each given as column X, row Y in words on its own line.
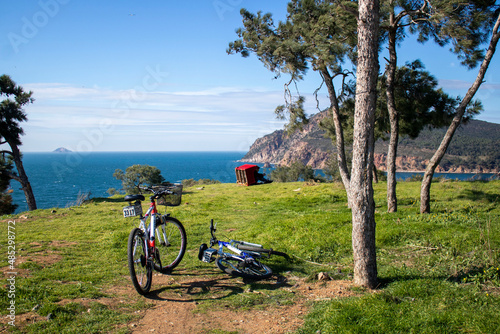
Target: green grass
column 438, row 272
column 416, row 306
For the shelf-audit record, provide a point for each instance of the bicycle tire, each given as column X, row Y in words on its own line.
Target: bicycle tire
column 171, row 244
column 238, row 267
column 141, row 272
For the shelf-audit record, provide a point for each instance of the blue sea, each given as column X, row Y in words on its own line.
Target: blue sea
column 57, row 179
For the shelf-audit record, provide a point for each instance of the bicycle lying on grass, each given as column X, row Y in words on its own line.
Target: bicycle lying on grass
column 244, row 263
column 159, row 245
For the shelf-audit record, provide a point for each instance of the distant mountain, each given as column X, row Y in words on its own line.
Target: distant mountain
column 62, row 150
column 475, row 148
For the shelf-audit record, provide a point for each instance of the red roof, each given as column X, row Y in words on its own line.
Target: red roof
column 247, row 166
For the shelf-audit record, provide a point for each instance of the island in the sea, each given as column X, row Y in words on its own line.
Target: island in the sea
column 62, row 150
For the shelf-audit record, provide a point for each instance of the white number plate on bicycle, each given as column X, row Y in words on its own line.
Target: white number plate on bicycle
column 132, row 211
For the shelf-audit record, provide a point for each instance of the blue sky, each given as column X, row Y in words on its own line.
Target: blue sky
column 154, row 75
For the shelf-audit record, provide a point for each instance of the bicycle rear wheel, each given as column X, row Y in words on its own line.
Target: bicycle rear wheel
column 238, row 267
column 140, row 271
column 170, row 245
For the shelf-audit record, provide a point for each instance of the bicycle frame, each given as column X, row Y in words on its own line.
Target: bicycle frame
column 242, row 255
column 245, row 256
column 151, row 229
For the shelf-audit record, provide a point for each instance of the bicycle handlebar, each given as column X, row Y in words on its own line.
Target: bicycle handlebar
column 213, row 228
column 157, row 193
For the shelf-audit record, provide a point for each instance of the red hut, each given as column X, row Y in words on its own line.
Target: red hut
column 245, row 175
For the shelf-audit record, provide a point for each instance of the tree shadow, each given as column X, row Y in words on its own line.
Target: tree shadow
column 479, row 196
column 203, row 286
column 384, row 282
column 107, row 200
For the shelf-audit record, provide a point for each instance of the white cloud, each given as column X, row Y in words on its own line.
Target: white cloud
column 218, row 118
column 447, row 84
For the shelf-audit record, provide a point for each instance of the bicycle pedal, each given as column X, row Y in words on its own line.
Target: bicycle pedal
column 208, row 255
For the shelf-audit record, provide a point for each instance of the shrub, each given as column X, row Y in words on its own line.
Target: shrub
column 138, row 175
column 297, row 171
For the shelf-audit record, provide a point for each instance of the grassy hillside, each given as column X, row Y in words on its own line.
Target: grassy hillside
column 438, row 272
column 474, row 145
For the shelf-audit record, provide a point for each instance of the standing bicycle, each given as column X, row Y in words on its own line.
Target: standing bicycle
column 159, row 245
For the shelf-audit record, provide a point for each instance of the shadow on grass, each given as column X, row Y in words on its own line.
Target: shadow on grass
column 204, row 287
column 478, row 195
column 384, row 282
column 107, row 200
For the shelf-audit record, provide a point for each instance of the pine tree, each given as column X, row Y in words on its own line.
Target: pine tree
column 461, row 109
column 464, row 24
column 321, row 35
column 317, row 35
column 11, row 115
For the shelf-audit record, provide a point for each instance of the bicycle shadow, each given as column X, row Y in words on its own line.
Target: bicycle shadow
column 201, row 286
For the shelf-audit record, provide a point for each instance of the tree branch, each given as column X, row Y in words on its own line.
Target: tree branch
column 11, row 175
column 348, row 9
column 317, row 90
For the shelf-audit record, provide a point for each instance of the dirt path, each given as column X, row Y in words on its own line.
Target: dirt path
column 179, row 309
column 197, row 302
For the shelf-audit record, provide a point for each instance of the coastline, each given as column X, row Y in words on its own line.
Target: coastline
column 440, row 170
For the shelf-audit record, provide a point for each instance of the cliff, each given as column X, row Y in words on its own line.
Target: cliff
column 309, row 146
column 474, row 148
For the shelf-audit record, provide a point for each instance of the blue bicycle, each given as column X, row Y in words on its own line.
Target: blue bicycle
column 243, row 263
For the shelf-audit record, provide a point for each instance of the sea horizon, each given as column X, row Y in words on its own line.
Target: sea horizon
column 59, row 178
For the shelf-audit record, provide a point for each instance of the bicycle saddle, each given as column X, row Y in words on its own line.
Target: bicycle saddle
column 130, row 198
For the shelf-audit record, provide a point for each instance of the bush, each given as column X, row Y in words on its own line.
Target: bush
column 297, row 171
column 138, row 175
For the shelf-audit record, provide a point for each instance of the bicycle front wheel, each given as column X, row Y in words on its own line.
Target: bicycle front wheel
column 140, row 271
column 239, row 267
column 171, row 244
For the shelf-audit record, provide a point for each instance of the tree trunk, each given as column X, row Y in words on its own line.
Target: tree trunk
column 363, row 205
column 339, row 133
column 425, row 190
column 392, row 202
column 22, row 177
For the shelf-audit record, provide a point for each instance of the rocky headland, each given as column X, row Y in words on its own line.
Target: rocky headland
column 474, row 148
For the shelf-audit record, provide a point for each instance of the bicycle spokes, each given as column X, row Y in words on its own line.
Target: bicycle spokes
column 161, row 244
column 171, row 244
column 140, row 269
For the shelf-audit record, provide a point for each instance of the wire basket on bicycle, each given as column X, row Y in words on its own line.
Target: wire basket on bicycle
column 171, row 199
column 159, row 245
